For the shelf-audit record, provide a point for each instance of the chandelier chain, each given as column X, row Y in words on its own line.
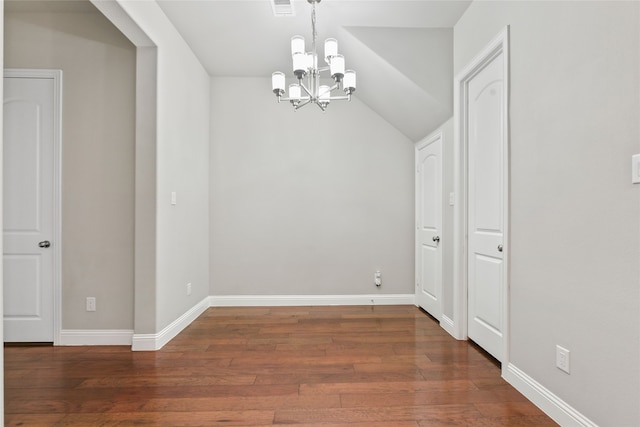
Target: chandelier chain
column 314, row 33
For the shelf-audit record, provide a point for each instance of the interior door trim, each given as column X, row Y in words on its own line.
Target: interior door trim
column 499, row 45
column 56, row 245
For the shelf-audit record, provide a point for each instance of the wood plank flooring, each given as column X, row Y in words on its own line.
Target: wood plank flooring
column 305, row 366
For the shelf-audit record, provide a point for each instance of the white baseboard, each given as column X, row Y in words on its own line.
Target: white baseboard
column 556, row 408
column 153, row 342
column 307, row 300
column 95, row 337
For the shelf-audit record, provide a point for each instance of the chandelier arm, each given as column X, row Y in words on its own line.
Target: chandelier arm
column 341, row 98
column 302, row 104
column 305, row 89
column 334, row 87
column 284, row 98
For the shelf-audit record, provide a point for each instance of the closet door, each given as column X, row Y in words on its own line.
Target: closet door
column 486, row 199
column 429, row 225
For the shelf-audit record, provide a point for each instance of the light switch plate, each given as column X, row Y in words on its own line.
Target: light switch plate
column 635, row 169
column 174, row 198
column 452, row 199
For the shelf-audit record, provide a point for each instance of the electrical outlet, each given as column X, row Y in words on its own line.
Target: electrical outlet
column 91, row 304
column 562, row 359
column 188, row 288
column 635, row 169
column 377, row 278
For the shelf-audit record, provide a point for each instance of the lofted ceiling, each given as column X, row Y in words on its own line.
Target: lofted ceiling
column 402, row 50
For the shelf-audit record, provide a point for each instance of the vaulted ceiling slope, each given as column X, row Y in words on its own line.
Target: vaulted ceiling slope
column 401, row 50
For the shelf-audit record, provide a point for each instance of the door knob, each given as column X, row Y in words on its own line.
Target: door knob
column 44, row 244
column 499, row 248
column 436, row 238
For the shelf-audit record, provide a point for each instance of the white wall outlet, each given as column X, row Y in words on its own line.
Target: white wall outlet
column 174, row 198
column 562, row 359
column 188, row 288
column 635, row 169
column 377, row 278
column 91, row 304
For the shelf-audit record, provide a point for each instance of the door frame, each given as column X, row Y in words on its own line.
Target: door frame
column 500, row 44
column 56, row 247
column 435, row 137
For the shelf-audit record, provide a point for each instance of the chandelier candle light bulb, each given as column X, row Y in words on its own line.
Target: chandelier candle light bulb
column 300, row 64
column 297, row 45
column 330, row 49
column 311, row 63
column 349, row 81
column 277, row 83
column 336, row 67
column 294, row 92
column 305, row 64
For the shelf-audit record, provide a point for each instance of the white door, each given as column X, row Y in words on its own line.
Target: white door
column 486, row 199
column 429, row 225
column 28, row 207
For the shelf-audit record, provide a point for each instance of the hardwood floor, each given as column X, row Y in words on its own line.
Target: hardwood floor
column 305, row 366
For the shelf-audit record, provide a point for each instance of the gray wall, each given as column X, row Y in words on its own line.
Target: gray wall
column 306, row 203
column 98, row 66
column 575, row 216
column 180, row 104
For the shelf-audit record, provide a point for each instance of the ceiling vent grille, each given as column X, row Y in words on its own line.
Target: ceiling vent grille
column 282, row 7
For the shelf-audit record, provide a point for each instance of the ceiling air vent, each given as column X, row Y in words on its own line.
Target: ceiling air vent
column 282, row 7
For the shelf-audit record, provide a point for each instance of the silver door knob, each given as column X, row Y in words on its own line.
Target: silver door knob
column 499, row 248
column 436, row 238
column 44, row 244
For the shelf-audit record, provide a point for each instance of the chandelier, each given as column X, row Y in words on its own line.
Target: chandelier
column 305, row 64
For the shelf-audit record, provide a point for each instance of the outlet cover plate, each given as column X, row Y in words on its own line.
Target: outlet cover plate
column 635, row 169
column 562, row 359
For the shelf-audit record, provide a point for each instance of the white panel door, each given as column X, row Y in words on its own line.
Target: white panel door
column 429, row 226
column 28, row 179
column 486, row 200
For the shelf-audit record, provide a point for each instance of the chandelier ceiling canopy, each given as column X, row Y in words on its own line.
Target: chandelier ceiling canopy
column 305, row 64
